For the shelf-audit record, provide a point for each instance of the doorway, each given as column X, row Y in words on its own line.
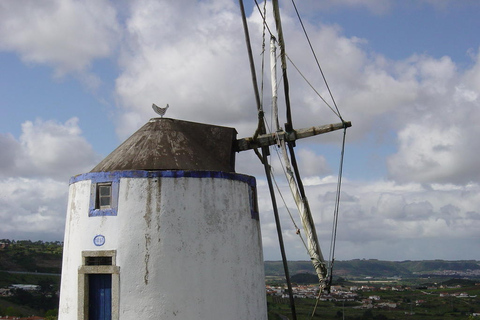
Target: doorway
column 100, row 296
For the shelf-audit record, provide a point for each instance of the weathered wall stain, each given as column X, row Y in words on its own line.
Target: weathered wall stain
column 148, row 221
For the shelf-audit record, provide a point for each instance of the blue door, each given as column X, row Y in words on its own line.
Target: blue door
column 100, row 297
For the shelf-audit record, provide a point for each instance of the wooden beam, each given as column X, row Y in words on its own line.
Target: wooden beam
column 269, row 139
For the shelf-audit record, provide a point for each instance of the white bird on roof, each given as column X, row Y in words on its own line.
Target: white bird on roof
column 160, row 111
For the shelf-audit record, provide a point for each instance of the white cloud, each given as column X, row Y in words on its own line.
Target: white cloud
column 34, row 176
column 64, row 34
column 198, row 65
column 47, row 149
column 191, row 63
column 202, row 72
column 426, row 154
column 377, row 216
column 376, row 7
column 437, row 137
column 471, row 79
column 32, row 208
column 11, row 152
column 464, row 95
column 312, row 164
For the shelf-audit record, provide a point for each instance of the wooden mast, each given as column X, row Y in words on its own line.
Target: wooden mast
column 265, row 153
column 288, row 138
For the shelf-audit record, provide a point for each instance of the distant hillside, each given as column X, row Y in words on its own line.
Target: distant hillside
column 28, row 256
column 46, row 257
column 379, row 268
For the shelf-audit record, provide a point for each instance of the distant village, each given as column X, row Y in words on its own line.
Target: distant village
column 351, row 294
column 456, row 273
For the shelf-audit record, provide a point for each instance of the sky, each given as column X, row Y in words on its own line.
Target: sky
column 79, row 77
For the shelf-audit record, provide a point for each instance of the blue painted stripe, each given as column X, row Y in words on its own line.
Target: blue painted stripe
column 97, row 177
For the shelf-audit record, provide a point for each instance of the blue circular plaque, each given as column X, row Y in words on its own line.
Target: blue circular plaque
column 99, row 240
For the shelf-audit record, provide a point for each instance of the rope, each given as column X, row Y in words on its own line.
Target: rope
column 313, row 88
column 316, row 304
column 263, row 62
column 263, row 16
column 279, row 232
column 265, row 25
column 260, row 127
column 337, row 112
column 281, row 44
column 316, row 59
column 336, row 209
column 297, row 229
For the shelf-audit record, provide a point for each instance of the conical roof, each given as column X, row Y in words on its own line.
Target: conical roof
column 169, row 144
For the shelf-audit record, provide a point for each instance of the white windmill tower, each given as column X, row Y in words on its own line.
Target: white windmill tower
column 163, row 228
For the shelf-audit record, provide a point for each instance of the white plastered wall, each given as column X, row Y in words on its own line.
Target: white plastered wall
column 186, row 248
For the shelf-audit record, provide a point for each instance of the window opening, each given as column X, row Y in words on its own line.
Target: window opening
column 103, row 198
column 98, row 261
column 104, row 195
column 253, row 202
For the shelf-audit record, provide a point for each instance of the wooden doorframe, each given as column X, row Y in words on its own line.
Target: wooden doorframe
column 83, row 286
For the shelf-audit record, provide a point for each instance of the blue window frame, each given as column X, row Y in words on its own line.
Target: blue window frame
column 104, row 197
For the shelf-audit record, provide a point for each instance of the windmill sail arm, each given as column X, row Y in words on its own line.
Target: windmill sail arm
column 270, row 139
column 308, row 224
column 313, row 245
column 313, row 131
